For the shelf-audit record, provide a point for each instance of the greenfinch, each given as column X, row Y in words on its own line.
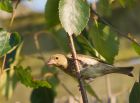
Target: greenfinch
column 90, row 67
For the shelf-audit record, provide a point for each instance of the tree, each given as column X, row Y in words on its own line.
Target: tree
column 84, row 25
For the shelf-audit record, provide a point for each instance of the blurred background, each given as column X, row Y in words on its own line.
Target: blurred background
column 31, row 20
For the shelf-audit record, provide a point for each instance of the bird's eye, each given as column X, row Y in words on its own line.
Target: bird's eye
column 56, row 58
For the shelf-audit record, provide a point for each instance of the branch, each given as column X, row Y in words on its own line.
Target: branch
column 3, row 64
column 81, row 84
column 10, row 25
column 36, row 35
column 109, row 93
column 126, row 35
column 14, row 12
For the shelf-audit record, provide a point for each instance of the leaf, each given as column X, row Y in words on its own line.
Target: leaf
column 105, row 41
column 51, row 13
column 85, row 45
column 136, row 47
column 8, row 42
column 135, row 93
column 24, row 76
column 6, row 5
column 51, row 76
column 104, row 7
column 74, row 15
column 127, row 3
column 8, row 79
column 43, row 95
column 60, row 38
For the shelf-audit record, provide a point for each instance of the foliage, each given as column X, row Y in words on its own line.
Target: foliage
column 42, row 94
column 6, row 5
column 52, row 18
column 72, row 22
column 91, row 36
column 8, row 41
column 135, row 93
column 136, row 47
column 24, row 76
column 105, row 41
column 8, row 79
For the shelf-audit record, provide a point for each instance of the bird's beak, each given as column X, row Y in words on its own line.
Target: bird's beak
column 50, row 62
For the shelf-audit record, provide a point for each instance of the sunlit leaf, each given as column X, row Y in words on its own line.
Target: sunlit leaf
column 8, row 79
column 8, row 41
column 135, row 93
column 51, row 13
column 136, row 47
column 74, row 15
column 6, row 5
column 105, row 41
column 24, row 76
column 127, row 3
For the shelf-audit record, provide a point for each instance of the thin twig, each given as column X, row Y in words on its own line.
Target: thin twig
column 14, row 13
column 70, row 93
column 3, row 64
column 126, row 35
column 81, row 84
column 108, row 85
column 36, row 35
column 10, row 25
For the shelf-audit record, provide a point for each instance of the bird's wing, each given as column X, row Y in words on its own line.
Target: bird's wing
column 87, row 59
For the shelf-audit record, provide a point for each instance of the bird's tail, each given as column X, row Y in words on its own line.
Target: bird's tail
column 125, row 70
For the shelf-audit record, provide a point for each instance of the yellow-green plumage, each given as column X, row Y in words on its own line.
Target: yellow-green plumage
column 90, row 67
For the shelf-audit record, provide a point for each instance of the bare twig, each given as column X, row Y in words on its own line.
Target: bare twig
column 81, row 84
column 3, row 64
column 36, row 35
column 126, row 35
column 14, row 12
column 70, row 93
column 108, row 84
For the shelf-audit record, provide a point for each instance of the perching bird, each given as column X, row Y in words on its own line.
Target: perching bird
column 90, row 67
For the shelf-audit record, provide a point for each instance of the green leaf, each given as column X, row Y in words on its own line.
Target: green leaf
column 24, row 76
column 122, row 2
column 74, row 15
column 85, row 45
column 104, row 7
column 128, row 3
column 51, row 13
column 60, row 37
column 43, row 95
column 6, row 5
column 53, row 79
column 135, row 93
column 8, row 42
column 136, row 47
column 8, row 79
column 105, row 41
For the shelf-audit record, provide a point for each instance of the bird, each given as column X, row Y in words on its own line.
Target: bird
column 90, row 67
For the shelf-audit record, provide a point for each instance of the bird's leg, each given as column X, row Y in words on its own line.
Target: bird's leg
column 89, row 80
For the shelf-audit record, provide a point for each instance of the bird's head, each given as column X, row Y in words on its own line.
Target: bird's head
column 58, row 60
